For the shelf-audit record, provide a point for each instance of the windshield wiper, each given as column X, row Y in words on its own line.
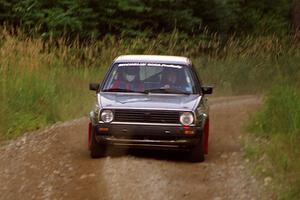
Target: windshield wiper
column 166, row 90
column 122, row 90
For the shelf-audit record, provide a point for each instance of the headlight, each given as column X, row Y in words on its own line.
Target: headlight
column 107, row 116
column 186, row 118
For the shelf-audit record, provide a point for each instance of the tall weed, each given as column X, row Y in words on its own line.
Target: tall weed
column 280, row 113
column 44, row 82
column 278, row 125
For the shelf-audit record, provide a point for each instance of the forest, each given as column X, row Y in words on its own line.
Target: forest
column 131, row 18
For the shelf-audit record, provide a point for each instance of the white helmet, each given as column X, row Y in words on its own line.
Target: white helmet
column 131, row 73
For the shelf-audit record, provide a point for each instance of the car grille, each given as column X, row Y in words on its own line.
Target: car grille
column 147, row 116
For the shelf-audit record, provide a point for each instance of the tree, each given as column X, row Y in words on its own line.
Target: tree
column 296, row 16
column 94, row 18
column 6, row 12
column 58, row 17
column 265, row 16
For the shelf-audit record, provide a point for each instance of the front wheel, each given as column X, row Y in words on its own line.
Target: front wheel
column 96, row 150
column 197, row 153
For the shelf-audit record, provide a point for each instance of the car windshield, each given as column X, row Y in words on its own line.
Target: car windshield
column 150, row 78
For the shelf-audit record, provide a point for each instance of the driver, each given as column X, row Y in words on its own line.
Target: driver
column 128, row 78
column 170, row 79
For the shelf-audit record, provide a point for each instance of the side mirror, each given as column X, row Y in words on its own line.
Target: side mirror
column 207, row 89
column 94, row 86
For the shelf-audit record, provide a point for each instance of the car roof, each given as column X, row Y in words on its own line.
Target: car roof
column 179, row 60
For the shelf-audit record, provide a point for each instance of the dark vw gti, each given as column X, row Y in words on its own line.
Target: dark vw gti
column 155, row 102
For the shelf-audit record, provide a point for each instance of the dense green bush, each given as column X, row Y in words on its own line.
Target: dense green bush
column 94, row 18
column 54, row 18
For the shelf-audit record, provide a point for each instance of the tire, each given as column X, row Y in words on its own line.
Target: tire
column 96, row 150
column 197, row 152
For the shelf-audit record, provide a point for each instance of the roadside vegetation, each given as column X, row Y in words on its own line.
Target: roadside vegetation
column 275, row 146
column 45, row 82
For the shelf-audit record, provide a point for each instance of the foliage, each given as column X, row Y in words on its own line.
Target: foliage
column 45, row 82
column 40, row 87
column 266, row 16
column 54, row 18
column 94, row 18
column 277, row 155
column 280, row 113
column 6, row 12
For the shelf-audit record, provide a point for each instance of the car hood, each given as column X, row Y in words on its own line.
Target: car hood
column 148, row 101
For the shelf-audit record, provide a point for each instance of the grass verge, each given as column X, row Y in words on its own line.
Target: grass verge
column 275, row 150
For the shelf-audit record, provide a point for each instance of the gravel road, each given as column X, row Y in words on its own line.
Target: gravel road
column 54, row 164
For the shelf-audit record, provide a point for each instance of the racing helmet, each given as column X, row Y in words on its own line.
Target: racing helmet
column 131, row 73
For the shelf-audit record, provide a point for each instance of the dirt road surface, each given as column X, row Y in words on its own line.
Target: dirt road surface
column 55, row 164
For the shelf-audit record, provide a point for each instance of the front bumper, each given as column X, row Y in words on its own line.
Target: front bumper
column 148, row 136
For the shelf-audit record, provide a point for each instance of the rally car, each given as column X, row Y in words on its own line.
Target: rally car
column 153, row 102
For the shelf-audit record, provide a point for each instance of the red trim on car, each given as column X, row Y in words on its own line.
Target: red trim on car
column 90, row 135
column 206, row 135
column 186, row 127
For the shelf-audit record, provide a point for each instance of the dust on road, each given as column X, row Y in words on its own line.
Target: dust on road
column 55, row 164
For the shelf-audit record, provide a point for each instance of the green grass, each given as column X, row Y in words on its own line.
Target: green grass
column 45, row 82
column 34, row 99
column 39, row 88
column 280, row 113
column 277, row 125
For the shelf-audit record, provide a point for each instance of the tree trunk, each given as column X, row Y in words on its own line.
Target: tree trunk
column 296, row 17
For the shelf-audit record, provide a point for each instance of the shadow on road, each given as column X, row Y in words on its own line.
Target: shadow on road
column 178, row 156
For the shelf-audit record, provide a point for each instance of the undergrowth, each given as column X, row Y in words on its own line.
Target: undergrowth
column 43, row 82
column 277, row 154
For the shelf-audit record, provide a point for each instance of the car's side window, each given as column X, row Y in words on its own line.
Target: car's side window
column 197, row 80
column 188, row 84
column 113, row 78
